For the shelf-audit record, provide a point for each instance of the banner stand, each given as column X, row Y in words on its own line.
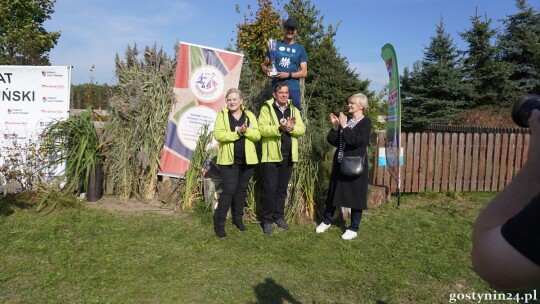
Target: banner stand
column 203, row 76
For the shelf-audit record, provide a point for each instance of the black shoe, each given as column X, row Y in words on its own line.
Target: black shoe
column 240, row 225
column 282, row 224
column 220, row 231
column 268, row 229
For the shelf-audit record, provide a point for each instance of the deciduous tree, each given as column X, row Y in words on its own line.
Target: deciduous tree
column 23, row 39
column 254, row 32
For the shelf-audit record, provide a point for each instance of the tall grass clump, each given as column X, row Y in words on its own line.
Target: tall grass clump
column 139, row 109
column 193, row 188
column 303, row 183
column 301, row 200
column 76, row 144
column 254, row 194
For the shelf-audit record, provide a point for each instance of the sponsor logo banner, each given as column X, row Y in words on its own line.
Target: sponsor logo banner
column 30, row 98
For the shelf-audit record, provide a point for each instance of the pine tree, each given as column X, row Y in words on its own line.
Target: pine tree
column 487, row 76
column 520, row 47
column 411, row 89
column 437, row 92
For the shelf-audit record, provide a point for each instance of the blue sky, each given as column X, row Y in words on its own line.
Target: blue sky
column 94, row 31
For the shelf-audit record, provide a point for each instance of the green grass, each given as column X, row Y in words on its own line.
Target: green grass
column 418, row 253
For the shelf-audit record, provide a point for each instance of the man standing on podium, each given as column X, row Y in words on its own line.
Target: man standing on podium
column 290, row 62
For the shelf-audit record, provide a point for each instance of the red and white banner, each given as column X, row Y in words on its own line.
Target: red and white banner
column 203, row 76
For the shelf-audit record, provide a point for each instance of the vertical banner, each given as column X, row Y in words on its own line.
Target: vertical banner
column 31, row 98
column 393, row 129
column 203, row 76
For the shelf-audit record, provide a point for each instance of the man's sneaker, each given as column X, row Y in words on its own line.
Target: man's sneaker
column 322, row 227
column 268, row 229
column 282, row 224
column 349, row 235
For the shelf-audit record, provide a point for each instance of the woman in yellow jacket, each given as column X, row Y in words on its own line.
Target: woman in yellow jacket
column 236, row 129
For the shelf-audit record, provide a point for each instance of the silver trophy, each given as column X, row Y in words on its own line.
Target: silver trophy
column 272, row 52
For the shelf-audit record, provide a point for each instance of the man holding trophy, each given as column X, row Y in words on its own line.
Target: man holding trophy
column 287, row 61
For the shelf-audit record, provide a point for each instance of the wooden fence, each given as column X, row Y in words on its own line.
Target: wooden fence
column 455, row 161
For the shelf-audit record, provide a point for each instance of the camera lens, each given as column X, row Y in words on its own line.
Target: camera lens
column 523, row 107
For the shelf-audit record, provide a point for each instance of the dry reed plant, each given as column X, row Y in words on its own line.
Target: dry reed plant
column 139, row 110
column 193, row 187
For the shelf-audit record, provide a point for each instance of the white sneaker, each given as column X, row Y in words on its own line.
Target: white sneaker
column 322, row 227
column 349, row 235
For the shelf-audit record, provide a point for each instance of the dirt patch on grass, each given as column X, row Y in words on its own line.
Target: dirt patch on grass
column 117, row 204
column 486, row 117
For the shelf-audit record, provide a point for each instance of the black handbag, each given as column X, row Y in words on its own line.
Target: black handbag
column 352, row 166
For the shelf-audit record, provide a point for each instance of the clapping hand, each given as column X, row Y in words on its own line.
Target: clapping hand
column 343, row 120
column 287, row 124
column 242, row 129
column 291, row 122
column 334, row 120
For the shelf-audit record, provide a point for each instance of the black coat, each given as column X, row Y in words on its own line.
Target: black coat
column 343, row 190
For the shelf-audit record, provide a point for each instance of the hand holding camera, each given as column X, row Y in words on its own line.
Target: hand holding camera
column 526, row 113
column 533, row 161
column 523, row 107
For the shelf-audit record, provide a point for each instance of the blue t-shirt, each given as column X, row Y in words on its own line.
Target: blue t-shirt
column 288, row 59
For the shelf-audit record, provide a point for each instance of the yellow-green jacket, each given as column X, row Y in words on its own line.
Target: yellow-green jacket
column 271, row 135
column 226, row 138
